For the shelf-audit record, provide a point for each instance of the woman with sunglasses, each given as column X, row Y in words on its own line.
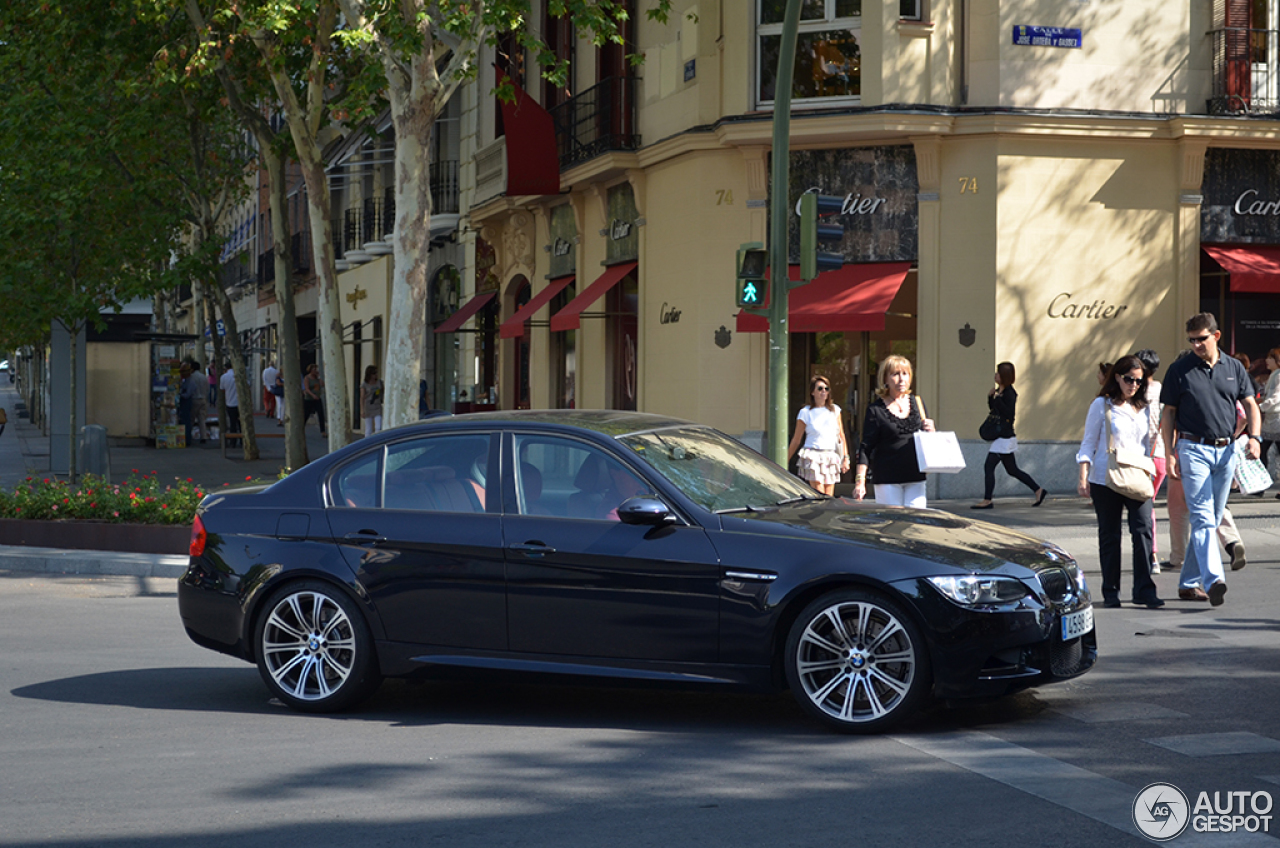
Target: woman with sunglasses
column 825, row 456
column 888, row 445
column 1119, row 418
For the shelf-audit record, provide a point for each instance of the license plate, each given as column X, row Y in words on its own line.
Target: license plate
column 1077, row 623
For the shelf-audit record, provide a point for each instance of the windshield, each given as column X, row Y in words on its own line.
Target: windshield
column 715, row 471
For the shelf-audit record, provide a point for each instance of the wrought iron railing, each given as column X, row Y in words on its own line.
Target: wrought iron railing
column 598, row 120
column 1246, row 71
column 444, row 187
column 352, row 230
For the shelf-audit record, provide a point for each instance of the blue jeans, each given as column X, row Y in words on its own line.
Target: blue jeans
column 1206, row 482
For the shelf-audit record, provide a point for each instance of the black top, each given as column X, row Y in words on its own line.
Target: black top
column 1205, row 396
column 1005, row 404
column 886, row 440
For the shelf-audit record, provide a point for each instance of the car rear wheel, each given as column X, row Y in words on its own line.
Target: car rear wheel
column 855, row 661
column 314, row 650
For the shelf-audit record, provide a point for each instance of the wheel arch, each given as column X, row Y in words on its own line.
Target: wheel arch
column 797, row 601
column 255, row 604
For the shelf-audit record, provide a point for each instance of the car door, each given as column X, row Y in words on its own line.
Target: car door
column 580, row 582
column 414, row 519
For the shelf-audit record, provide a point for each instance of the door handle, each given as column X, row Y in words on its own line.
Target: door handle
column 533, row 549
column 364, row 537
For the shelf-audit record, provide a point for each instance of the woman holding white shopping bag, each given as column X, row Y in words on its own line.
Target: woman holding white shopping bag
column 888, row 446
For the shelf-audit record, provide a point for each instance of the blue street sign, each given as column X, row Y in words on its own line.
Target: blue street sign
column 1040, row 36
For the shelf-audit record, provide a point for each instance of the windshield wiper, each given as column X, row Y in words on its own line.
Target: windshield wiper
column 786, row 501
column 734, row 509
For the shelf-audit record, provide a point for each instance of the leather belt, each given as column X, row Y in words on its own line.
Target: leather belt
column 1204, row 440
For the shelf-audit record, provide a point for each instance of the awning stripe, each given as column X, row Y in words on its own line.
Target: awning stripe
column 569, row 317
column 471, row 307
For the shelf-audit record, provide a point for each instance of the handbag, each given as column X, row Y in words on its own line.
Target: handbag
column 1129, row 473
column 1250, row 473
column 938, row 452
column 277, row 390
column 991, row 428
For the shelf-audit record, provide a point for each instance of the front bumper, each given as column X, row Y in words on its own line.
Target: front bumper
column 981, row 653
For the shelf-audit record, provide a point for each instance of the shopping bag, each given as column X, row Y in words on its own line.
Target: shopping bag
column 938, row 452
column 1251, row 474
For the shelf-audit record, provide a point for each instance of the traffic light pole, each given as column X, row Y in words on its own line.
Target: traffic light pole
column 779, row 279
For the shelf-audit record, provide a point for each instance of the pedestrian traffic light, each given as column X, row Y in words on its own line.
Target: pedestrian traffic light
column 814, row 234
column 753, row 263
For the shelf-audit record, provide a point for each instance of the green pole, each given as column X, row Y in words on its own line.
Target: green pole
column 779, row 193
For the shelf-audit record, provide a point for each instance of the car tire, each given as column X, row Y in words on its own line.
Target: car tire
column 856, row 662
column 314, row 649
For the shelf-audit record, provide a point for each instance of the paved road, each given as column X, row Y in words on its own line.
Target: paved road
column 115, row 730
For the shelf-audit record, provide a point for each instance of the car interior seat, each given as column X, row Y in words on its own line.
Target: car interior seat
column 593, row 486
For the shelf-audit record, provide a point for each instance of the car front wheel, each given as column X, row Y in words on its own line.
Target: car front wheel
column 856, row 662
column 314, row 650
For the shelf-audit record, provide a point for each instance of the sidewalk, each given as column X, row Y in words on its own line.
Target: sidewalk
column 24, row 452
column 1066, row 520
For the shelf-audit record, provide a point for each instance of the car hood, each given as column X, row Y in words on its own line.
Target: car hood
column 925, row 534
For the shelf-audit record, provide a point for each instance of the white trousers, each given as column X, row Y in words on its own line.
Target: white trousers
column 901, row 494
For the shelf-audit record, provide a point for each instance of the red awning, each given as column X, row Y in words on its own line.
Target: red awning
column 471, row 307
column 513, row 327
column 852, row 299
column 568, row 318
column 1252, row 268
column 533, row 160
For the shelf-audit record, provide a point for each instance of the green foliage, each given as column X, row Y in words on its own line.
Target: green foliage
column 139, row 500
column 88, row 142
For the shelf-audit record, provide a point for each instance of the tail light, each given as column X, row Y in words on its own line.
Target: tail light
column 198, row 537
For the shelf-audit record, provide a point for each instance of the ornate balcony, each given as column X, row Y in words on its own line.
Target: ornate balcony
column 600, row 119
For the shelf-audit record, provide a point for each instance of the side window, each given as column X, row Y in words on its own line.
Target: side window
column 569, row 479
column 356, row 483
column 446, row 473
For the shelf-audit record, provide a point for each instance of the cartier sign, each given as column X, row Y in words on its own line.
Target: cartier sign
column 1066, row 306
column 1248, row 204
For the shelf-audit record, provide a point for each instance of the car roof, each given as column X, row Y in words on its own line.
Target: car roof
column 607, row 422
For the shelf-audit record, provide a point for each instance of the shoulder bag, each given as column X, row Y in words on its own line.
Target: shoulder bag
column 990, row 429
column 1129, row 473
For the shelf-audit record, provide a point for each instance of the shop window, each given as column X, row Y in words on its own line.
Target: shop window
column 444, row 302
column 564, row 360
column 624, row 343
column 828, row 60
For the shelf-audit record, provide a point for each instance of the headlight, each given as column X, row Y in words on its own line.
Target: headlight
column 972, row 590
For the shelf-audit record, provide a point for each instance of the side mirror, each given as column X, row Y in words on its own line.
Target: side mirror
column 647, row 511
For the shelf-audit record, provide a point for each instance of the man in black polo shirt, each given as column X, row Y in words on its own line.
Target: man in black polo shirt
column 1199, row 396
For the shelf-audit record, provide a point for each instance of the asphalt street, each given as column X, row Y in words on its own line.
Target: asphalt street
column 115, row 730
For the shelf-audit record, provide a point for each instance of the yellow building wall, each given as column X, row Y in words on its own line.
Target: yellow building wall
column 118, row 388
column 1136, row 56
column 966, row 290
column 696, row 217
column 1085, row 268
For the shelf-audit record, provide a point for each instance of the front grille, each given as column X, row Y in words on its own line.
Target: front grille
column 1065, row 657
column 1056, row 584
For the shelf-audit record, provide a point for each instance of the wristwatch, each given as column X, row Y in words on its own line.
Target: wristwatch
column 1259, row 438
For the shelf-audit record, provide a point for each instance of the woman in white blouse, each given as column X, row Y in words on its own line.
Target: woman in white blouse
column 1123, row 400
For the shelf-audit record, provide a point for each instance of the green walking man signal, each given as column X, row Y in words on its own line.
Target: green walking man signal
column 752, row 285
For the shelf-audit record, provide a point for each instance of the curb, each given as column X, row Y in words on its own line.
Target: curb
column 95, row 563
